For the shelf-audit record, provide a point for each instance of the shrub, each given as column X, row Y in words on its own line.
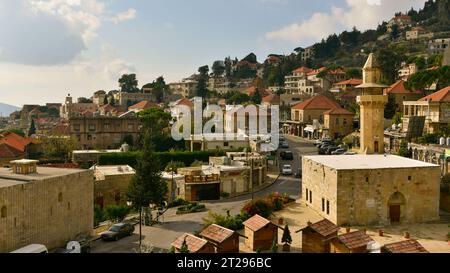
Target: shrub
column 277, row 201
column 286, row 239
column 191, row 208
column 117, row 213
column 262, row 207
column 228, row 221
column 224, row 194
column 178, row 202
column 99, row 215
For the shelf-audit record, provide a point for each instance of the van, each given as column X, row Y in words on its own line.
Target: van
column 35, row 248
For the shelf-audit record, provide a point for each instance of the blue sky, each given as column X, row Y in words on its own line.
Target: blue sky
column 53, row 47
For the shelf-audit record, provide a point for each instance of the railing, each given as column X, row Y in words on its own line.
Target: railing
column 201, row 179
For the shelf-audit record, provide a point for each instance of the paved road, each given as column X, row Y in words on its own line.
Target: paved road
column 175, row 225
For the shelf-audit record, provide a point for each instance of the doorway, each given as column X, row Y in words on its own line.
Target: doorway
column 394, row 213
column 376, row 147
column 396, row 206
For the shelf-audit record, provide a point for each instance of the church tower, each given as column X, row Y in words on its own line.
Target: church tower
column 372, row 103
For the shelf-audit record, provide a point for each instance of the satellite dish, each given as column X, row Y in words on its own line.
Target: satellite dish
column 74, row 246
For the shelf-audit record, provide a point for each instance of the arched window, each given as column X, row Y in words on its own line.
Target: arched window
column 3, row 212
column 60, row 197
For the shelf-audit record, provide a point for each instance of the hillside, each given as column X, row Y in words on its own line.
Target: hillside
column 6, row 109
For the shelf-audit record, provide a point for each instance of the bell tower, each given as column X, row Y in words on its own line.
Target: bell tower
column 372, row 103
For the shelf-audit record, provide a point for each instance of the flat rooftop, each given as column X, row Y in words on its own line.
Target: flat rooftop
column 8, row 178
column 114, row 169
column 365, row 162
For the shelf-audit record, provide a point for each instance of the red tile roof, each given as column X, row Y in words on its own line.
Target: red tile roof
column 216, row 233
column 273, row 99
column 399, row 88
column 409, row 246
column 302, row 69
column 442, row 95
column 186, row 102
column 194, row 243
column 15, row 141
column 355, row 239
column 7, row 151
column 338, row 111
column 316, row 71
column 319, row 102
column 351, row 82
column 143, row 105
column 256, row 222
column 324, row 227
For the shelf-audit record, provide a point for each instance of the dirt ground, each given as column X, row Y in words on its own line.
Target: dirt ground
column 432, row 236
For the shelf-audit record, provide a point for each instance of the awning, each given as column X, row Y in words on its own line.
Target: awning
column 309, row 128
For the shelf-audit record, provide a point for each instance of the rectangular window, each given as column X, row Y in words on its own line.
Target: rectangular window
column 76, row 127
column 130, row 126
column 328, row 207
column 323, row 204
column 307, row 193
column 310, row 197
column 91, row 127
column 226, row 144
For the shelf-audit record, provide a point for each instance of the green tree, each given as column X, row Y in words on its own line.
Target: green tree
column 286, row 239
column 59, row 147
column 116, row 213
column 32, row 129
column 202, row 89
column 404, row 151
column 390, row 109
column 160, row 88
column 99, row 215
column 274, row 247
column 397, row 119
column 390, row 61
column 184, row 247
column 84, row 100
column 256, row 97
column 218, row 68
column 354, row 73
column 129, row 83
column 395, row 32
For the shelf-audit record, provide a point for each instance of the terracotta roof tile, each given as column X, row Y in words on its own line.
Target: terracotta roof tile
column 216, row 233
column 351, row 82
column 194, row 243
column 355, row 239
column 143, row 105
column 399, row 88
column 15, row 141
column 256, row 222
column 324, row 227
column 409, row 246
column 319, row 102
column 442, row 95
column 338, row 111
column 302, row 69
column 273, row 98
column 7, row 151
column 186, row 102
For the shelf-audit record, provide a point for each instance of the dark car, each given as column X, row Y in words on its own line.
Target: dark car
column 331, row 149
column 288, row 155
column 339, row 152
column 117, row 232
column 284, row 145
column 323, row 149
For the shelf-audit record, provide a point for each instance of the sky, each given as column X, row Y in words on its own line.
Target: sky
column 50, row 48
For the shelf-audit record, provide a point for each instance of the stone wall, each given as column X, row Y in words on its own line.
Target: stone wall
column 49, row 212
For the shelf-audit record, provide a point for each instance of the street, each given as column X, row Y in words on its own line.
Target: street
column 174, row 225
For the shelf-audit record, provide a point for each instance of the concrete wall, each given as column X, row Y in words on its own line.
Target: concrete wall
column 113, row 185
column 37, row 215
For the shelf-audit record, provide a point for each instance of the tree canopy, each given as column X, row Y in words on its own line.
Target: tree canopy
column 129, row 83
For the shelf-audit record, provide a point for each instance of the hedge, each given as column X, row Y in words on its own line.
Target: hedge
column 130, row 158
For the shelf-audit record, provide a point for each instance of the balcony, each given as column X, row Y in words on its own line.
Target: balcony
column 201, row 179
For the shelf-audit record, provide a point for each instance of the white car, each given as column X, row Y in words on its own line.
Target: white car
column 287, row 170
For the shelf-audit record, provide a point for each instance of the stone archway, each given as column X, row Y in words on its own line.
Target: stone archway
column 396, row 208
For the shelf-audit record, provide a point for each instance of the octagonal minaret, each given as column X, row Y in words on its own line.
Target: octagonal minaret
column 372, row 103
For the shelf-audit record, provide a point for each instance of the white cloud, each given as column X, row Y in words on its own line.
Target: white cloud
column 364, row 14
column 50, row 32
column 130, row 14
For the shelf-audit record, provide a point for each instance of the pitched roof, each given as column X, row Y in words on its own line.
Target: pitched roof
column 338, row 111
column 216, row 233
column 272, row 98
column 399, row 88
column 442, row 95
column 302, row 69
column 409, row 246
column 351, row 82
column 15, row 141
column 194, row 243
column 355, row 239
column 185, row 101
column 319, row 102
column 256, row 222
column 143, row 105
column 316, row 71
column 7, row 151
column 324, row 227
column 372, row 62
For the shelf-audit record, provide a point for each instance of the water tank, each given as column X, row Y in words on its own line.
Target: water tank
column 442, row 141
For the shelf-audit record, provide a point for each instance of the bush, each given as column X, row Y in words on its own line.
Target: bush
column 191, row 208
column 262, row 207
column 99, row 215
column 117, row 213
column 231, row 222
column 224, row 194
column 178, row 202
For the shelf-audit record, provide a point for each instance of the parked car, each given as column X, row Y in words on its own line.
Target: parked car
column 339, row 152
column 323, row 149
column 34, row 248
column 298, row 174
column 287, row 155
column 287, row 170
column 117, row 232
column 282, row 139
column 285, row 145
column 331, row 149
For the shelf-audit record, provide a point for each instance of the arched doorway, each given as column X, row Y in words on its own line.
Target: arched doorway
column 396, row 206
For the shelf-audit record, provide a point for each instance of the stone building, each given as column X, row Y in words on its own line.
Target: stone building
column 316, row 238
column 338, row 122
column 224, row 240
column 70, row 109
column 194, row 244
column 371, row 189
column 111, row 184
column 260, row 233
column 200, row 183
column 352, row 242
column 399, row 94
column 46, row 206
column 102, row 132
